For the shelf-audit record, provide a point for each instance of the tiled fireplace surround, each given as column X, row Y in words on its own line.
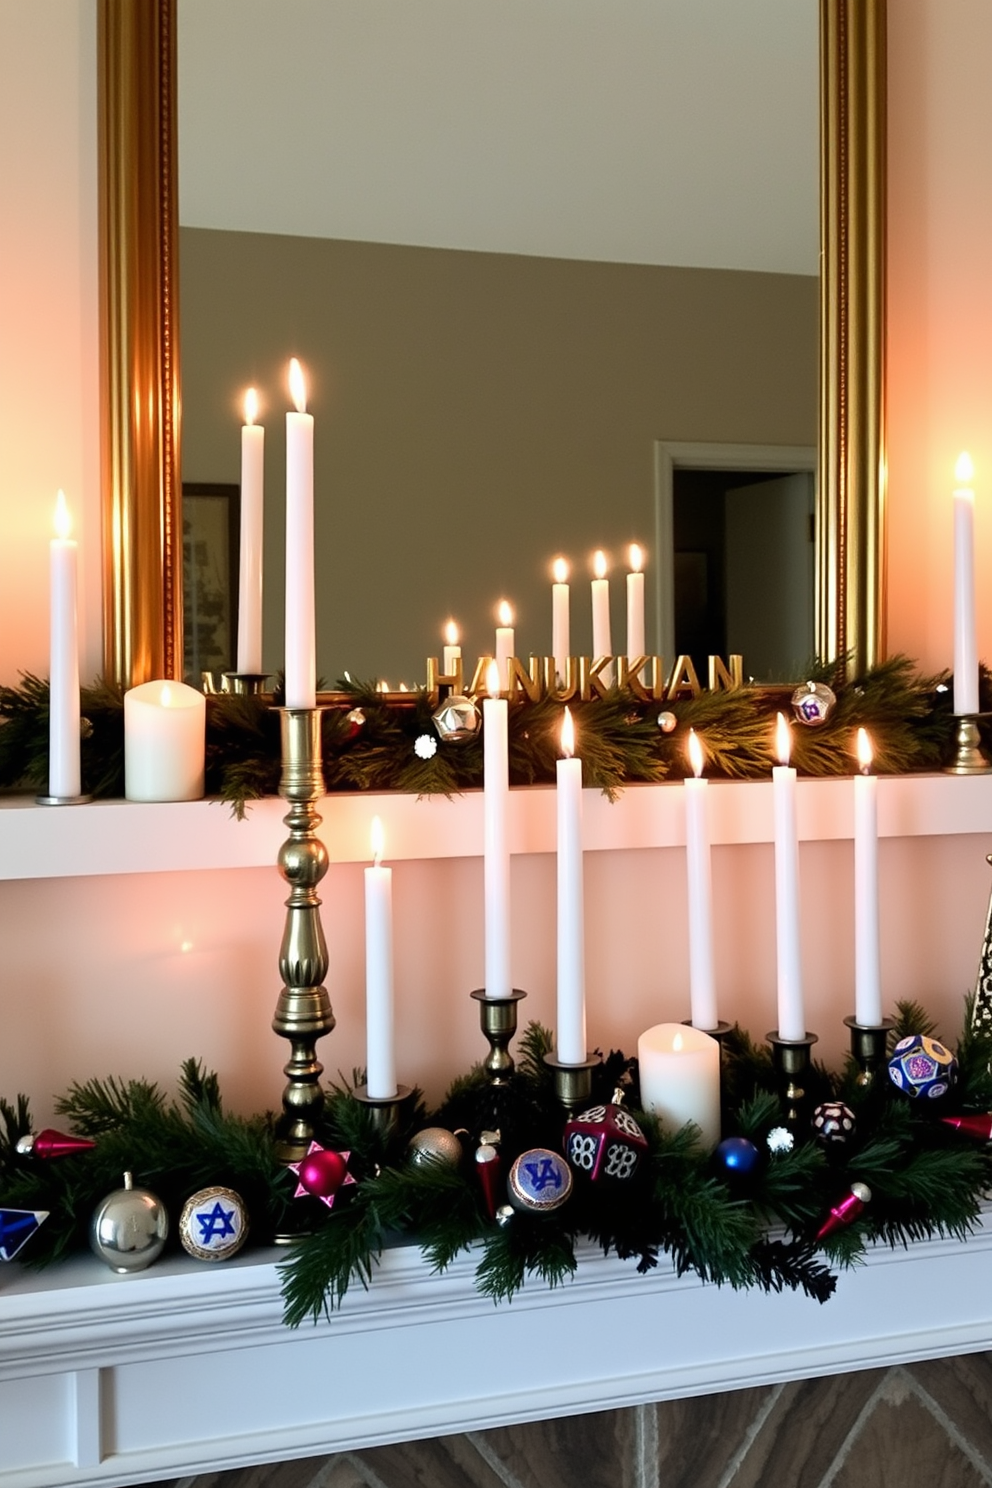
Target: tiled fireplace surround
column 186, row 1371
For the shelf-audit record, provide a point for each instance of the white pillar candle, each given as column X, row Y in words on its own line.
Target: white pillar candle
column 867, row 961
column 571, row 1047
column 635, row 604
column 680, row 1078
column 496, row 857
column 250, row 570
column 560, row 620
column 63, row 660
column 791, row 1018
column 965, row 643
column 380, row 1049
column 702, row 983
column 602, row 644
column 164, row 742
column 505, row 642
column 452, row 650
column 301, row 646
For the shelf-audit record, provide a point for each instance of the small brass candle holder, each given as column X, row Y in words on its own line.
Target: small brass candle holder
column 385, row 1111
column 969, row 756
column 498, row 1018
column 792, row 1065
column 245, row 684
column 303, row 1012
column 719, row 1032
column 573, row 1082
column 869, row 1047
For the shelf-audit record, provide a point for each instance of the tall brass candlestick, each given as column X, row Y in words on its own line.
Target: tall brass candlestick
column 303, row 1012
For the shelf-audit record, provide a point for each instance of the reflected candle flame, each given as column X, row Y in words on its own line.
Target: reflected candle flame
column 297, row 386
column 505, row 613
column 964, row 468
column 451, row 634
column 492, row 680
column 251, row 406
column 559, row 570
column 636, row 556
column 599, row 563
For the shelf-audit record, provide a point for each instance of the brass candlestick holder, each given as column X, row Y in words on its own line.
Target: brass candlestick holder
column 498, row 1017
column 969, row 757
column 385, row 1111
column 792, row 1064
column 869, row 1047
column 573, row 1082
column 303, row 1012
column 245, row 684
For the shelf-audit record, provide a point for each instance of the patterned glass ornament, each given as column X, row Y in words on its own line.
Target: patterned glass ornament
column 922, row 1067
column 605, row 1142
column 322, row 1174
column 434, row 1144
column 833, row 1123
column 737, row 1158
column 456, row 719
column 813, row 703
column 214, row 1224
column 540, row 1181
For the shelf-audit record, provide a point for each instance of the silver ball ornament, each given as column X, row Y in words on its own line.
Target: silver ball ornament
column 456, row 719
column 813, row 703
column 129, row 1228
column 667, row 721
column 435, row 1144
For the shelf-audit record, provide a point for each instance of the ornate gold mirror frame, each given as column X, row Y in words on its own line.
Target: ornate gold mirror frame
column 141, row 403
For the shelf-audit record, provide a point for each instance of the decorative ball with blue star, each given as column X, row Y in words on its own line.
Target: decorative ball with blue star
column 214, row 1224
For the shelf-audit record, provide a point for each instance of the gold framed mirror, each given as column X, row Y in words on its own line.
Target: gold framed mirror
column 142, row 395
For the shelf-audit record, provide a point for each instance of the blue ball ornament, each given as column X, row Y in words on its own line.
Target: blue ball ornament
column 737, row 1159
column 922, row 1067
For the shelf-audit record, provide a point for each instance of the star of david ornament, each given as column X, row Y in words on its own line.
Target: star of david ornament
column 16, row 1228
column 540, row 1181
column 214, row 1224
column 322, row 1174
column 605, row 1142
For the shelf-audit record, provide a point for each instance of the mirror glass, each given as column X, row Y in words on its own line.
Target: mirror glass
column 517, row 248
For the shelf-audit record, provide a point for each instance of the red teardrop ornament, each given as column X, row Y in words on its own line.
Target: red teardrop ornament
column 979, row 1126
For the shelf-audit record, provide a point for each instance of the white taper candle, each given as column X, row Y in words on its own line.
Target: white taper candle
column 867, row 959
column 64, row 770
column 571, row 1032
column 965, row 642
column 380, row 1046
column 496, row 856
column 791, row 1016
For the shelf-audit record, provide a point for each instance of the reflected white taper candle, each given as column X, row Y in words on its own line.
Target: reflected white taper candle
column 635, row 603
column 505, row 642
column 249, row 656
column 560, row 618
column 602, row 643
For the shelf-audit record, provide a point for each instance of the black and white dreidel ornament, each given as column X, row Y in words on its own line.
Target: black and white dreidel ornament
column 129, row 1228
column 605, row 1142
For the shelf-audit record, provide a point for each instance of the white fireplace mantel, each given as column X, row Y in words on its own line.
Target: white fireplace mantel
column 188, row 1367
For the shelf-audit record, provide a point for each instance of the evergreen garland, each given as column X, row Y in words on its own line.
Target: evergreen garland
column 908, row 715
column 925, row 1178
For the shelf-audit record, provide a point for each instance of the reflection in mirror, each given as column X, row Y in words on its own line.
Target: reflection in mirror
column 515, row 246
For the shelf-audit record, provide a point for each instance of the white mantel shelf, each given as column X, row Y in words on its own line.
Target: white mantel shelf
column 188, row 1367
column 125, row 837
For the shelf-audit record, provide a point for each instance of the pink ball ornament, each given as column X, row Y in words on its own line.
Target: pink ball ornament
column 322, row 1174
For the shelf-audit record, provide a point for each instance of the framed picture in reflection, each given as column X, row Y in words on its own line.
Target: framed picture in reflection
column 211, row 532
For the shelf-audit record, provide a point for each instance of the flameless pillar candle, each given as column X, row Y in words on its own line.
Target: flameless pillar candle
column 452, row 650
column 702, row 985
column 791, row 1018
column 164, row 741
column 571, row 917
column 505, row 642
column 380, row 1052
column 301, row 646
column 680, row 1078
column 965, row 644
column 867, row 961
column 63, row 661
column 560, row 621
column 602, row 645
column 250, row 573
column 496, row 849
column 635, row 606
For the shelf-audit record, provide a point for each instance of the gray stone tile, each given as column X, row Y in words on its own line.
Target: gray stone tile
column 596, row 1451
column 900, row 1446
column 962, row 1388
column 805, row 1430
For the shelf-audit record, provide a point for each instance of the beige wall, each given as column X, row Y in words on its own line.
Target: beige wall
column 475, row 415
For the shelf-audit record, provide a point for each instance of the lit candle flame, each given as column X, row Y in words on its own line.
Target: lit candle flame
column 451, row 634
column 505, row 613
column 636, row 557
column 783, row 739
column 165, row 696
column 378, row 840
column 567, row 735
column 383, row 686
column 695, row 753
column 865, row 755
column 251, row 406
column 599, row 563
column 559, row 570
column 677, row 1044
column 297, row 386
column 492, row 680
column 63, row 521
column 964, row 469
